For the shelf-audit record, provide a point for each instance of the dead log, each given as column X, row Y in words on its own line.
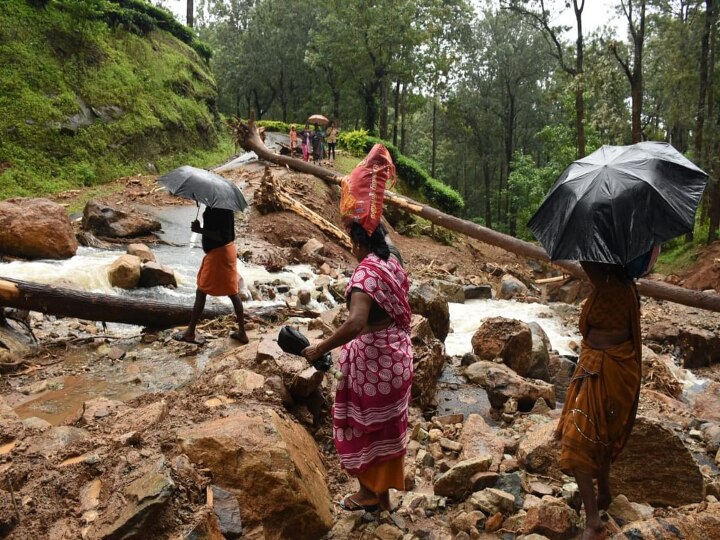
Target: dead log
column 271, row 195
column 247, row 135
column 66, row 302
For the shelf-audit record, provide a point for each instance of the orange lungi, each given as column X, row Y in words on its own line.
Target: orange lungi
column 218, row 274
column 602, row 398
column 384, row 475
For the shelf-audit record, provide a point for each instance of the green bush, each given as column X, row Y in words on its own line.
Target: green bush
column 274, row 125
column 203, row 49
column 354, row 141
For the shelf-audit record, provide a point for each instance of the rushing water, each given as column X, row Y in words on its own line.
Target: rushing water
column 466, row 318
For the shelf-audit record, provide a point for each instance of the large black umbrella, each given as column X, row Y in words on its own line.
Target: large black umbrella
column 617, row 203
column 205, row 187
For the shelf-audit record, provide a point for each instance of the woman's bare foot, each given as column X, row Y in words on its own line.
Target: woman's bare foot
column 241, row 336
column 595, row 533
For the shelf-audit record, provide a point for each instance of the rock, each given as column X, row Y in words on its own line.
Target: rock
column 556, row 522
column 265, row 454
column 153, row 274
column 478, row 292
column 456, row 482
column 449, row 445
column 706, row 404
column 539, row 451
column 304, row 297
column 540, row 489
column 56, row 439
column 502, row 383
column 140, row 419
column 478, row 439
column 206, row 527
column 453, row 292
column 245, row 381
column 511, row 287
column 99, row 408
column 142, row 499
column 691, row 525
column 493, row 500
column 711, row 436
column 540, row 357
column 124, row 272
column 344, row 527
column 104, row 220
column 450, row 419
column 36, row 424
column 571, row 495
column 299, row 378
column 465, row 521
column 388, row 532
column 428, row 361
column 483, row 480
column 427, row 301
column 675, row 480
column 35, row 229
column 560, row 371
column 698, row 347
column 141, row 251
column 511, row 482
column 508, row 339
column 312, row 248
column 568, row 292
column 623, row 512
column 468, row 358
column 227, row 509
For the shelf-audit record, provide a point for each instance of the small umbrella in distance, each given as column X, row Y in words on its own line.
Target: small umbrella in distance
column 318, row 119
column 617, row 203
column 205, row 187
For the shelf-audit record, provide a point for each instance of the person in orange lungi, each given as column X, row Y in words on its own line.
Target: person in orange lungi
column 602, row 398
column 218, row 274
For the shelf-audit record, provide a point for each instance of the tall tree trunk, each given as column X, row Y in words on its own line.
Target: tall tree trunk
column 190, row 13
column 509, row 149
column 488, row 194
column 434, row 137
column 384, row 108
column 370, row 106
column 336, row 104
column 579, row 99
column 636, row 81
column 396, row 113
column 403, row 124
column 702, row 85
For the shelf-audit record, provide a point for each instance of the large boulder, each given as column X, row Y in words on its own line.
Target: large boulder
column 539, row 451
column 706, row 405
column 698, row 347
column 554, row 521
column 427, row 301
column 454, row 292
column 36, row 229
column 511, row 287
column 428, row 361
column 125, row 272
column 154, row 274
column 456, row 483
column 508, row 339
column 560, row 372
column 105, row 220
column 142, row 251
column 502, row 383
column 271, row 465
column 540, row 355
column 675, row 480
column 479, row 439
column 689, row 524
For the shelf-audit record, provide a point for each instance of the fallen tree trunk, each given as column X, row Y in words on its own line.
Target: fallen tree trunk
column 270, row 195
column 250, row 139
column 66, row 302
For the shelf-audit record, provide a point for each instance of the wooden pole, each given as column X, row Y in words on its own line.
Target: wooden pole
column 248, row 136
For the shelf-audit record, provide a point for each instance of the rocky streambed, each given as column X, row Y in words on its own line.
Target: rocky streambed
column 121, row 432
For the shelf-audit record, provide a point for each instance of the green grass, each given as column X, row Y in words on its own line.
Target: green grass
column 345, row 163
column 162, row 92
column 676, row 257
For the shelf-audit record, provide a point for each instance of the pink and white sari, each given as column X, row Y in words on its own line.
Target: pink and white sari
column 371, row 402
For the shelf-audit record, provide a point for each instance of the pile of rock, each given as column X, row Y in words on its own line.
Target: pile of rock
column 138, row 268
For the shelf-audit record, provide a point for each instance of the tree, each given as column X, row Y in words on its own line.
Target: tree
column 634, row 69
column 190, row 13
column 540, row 16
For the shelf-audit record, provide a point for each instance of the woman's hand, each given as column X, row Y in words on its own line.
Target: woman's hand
column 312, row 353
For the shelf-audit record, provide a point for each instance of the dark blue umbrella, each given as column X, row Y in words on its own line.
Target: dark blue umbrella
column 617, row 203
column 205, row 187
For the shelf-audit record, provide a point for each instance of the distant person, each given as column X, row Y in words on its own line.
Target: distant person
column 293, row 140
column 317, row 143
column 305, row 141
column 603, row 394
column 332, row 134
column 218, row 274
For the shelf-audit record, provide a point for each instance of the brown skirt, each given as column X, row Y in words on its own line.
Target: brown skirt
column 383, row 476
column 218, row 274
column 600, row 408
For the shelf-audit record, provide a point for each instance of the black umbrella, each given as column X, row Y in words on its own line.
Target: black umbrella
column 205, row 187
column 617, row 203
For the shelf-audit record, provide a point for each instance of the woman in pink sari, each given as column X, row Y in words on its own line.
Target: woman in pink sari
column 370, row 414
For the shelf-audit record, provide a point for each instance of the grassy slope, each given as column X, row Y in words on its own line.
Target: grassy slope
column 49, row 62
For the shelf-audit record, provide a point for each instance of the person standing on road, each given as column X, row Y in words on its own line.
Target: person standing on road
column 293, row 140
column 317, row 144
column 218, row 275
column 305, row 141
column 332, row 134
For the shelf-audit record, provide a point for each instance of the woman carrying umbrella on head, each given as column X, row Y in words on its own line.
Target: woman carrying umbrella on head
column 610, row 211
